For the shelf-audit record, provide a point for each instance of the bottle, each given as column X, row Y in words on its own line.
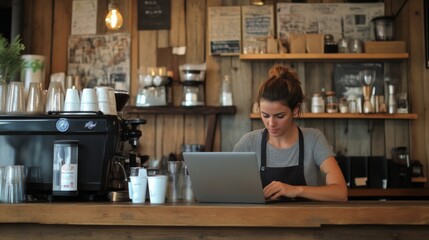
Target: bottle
column 65, row 166
column 226, row 92
column 391, row 100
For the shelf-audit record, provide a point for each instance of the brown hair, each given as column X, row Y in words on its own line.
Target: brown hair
column 281, row 86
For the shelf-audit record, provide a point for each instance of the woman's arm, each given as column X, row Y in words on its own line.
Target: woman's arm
column 334, row 190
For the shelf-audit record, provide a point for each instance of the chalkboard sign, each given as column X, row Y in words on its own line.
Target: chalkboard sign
column 347, row 82
column 154, row 14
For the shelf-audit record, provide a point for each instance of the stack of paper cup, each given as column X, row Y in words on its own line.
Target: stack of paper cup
column 72, row 101
column 88, row 101
column 103, row 98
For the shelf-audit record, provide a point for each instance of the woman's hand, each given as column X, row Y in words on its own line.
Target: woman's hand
column 277, row 189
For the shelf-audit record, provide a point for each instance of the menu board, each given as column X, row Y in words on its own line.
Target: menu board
column 224, row 30
column 154, row 14
column 84, row 17
column 257, row 25
column 351, row 19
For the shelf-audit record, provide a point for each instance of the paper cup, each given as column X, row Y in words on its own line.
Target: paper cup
column 138, row 189
column 157, row 188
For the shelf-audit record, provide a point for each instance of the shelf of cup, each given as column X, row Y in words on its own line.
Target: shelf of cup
column 408, row 116
column 325, row 56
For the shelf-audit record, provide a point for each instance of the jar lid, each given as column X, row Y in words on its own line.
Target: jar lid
column 330, row 93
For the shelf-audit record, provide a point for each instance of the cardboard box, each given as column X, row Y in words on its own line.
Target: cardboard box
column 314, row 43
column 296, row 42
column 385, row 47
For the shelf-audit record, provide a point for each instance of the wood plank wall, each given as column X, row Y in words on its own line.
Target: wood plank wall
column 47, row 28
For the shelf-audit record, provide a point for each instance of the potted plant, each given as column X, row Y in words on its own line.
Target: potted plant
column 10, row 58
column 10, row 65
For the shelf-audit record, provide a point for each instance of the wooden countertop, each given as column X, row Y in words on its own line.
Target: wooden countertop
column 290, row 214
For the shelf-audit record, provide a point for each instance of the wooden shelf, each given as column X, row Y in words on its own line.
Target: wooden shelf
column 212, row 113
column 326, row 56
column 350, row 116
column 196, row 110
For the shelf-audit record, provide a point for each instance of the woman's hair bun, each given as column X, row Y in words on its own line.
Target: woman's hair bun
column 281, row 72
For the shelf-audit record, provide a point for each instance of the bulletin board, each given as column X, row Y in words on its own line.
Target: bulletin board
column 100, row 59
column 224, row 30
column 328, row 18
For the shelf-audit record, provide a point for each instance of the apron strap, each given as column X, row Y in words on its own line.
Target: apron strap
column 264, row 142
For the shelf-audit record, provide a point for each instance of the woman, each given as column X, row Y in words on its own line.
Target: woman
column 294, row 162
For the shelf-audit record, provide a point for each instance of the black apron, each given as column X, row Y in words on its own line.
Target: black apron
column 293, row 175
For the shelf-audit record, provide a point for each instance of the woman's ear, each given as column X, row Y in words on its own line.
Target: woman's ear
column 296, row 110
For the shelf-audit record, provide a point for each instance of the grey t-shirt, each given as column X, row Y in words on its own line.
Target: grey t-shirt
column 316, row 150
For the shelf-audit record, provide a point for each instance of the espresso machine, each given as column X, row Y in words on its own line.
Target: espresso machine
column 155, row 87
column 102, row 141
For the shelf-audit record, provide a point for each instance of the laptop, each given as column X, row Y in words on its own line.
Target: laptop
column 225, row 177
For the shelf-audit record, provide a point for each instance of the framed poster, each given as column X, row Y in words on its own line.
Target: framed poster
column 100, row 59
column 154, row 14
column 224, row 30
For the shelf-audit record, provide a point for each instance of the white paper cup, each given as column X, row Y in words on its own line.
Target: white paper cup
column 103, row 94
column 88, row 100
column 157, row 188
column 72, row 101
column 88, row 96
column 89, row 107
column 104, row 107
column 138, row 189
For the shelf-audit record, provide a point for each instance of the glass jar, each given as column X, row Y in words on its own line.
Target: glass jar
column 331, row 102
column 344, row 105
column 317, row 103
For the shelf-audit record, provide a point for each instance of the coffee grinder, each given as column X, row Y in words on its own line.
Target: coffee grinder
column 192, row 77
column 155, row 87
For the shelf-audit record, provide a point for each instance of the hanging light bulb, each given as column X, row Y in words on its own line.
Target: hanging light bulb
column 114, row 18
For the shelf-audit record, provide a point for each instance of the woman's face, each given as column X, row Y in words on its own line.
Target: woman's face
column 277, row 118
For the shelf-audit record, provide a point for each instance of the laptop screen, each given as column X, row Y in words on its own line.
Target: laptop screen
column 225, row 177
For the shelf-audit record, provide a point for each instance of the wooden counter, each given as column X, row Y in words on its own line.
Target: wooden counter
column 204, row 221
